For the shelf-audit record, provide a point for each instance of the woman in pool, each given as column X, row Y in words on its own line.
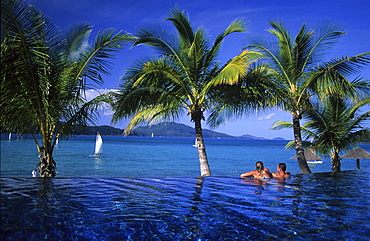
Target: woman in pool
column 260, row 172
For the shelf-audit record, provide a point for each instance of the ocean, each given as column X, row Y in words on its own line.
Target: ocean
column 150, row 189
column 156, row 157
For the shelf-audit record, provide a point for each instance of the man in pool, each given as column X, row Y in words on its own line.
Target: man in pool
column 260, row 172
column 281, row 171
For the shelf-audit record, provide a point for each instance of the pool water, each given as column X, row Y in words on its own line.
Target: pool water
column 319, row 206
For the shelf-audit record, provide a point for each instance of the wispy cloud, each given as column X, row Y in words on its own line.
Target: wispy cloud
column 92, row 93
column 268, row 117
column 104, row 108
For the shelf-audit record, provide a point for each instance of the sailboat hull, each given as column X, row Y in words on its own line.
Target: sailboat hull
column 314, row 162
column 96, row 156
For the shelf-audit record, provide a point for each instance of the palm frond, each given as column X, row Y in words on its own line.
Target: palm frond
column 285, row 42
column 325, row 37
column 279, row 125
column 76, row 40
column 93, row 62
column 153, row 114
column 183, row 26
column 251, row 93
column 330, row 77
column 161, row 39
column 238, row 25
column 236, row 68
column 82, row 115
column 362, row 87
column 302, row 51
column 347, row 65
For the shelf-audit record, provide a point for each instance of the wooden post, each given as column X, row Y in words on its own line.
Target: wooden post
column 358, row 163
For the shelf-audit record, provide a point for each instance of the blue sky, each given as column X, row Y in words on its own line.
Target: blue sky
column 353, row 17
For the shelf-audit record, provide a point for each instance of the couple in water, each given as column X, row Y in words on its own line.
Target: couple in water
column 263, row 173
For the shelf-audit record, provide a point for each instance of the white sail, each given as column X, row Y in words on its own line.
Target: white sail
column 10, row 136
column 98, row 145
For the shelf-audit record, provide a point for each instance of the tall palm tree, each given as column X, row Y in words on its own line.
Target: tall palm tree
column 44, row 74
column 336, row 125
column 298, row 74
column 180, row 79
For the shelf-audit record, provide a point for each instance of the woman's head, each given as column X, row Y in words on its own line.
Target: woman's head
column 259, row 166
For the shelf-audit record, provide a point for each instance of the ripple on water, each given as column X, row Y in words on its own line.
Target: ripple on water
column 315, row 206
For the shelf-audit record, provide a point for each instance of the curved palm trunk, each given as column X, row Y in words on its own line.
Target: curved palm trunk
column 203, row 160
column 303, row 166
column 335, row 162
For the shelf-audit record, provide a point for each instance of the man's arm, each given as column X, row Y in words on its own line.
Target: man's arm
column 275, row 174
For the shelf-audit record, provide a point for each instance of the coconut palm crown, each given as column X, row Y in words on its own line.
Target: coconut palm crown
column 180, row 79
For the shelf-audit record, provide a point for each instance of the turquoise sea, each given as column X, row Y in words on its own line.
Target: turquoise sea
column 150, row 189
column 155, row 157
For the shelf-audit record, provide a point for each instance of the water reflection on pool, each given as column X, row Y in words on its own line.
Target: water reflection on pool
column 304, row 207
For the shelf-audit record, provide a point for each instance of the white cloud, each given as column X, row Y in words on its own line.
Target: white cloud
column 90, row 94
column 268, row 117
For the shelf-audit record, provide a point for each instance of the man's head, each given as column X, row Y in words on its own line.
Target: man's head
column 282, row 166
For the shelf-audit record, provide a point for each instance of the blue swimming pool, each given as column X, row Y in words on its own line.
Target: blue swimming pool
column 319, row 206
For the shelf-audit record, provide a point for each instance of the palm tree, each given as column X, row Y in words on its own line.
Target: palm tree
column 180, row 79
column 298, row 74
column 336, row 125
column 44, row 74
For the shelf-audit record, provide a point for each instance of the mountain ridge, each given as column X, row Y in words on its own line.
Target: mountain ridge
column 165, row 129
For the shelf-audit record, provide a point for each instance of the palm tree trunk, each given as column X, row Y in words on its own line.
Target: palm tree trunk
column 47, row 164
column 335, row 162
column 202, row 155
column 303, row 166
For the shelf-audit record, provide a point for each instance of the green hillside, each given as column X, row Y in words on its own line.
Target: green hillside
column 104, row 130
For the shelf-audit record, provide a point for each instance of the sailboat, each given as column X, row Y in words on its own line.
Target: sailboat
column 10, row 136
column 98, row 146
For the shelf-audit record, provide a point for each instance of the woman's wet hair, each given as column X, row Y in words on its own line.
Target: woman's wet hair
column 259, row 166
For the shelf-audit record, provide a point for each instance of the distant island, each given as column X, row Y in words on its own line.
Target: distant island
column 163, row 129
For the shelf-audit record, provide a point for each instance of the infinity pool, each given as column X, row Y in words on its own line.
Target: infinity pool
column 305, row 207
